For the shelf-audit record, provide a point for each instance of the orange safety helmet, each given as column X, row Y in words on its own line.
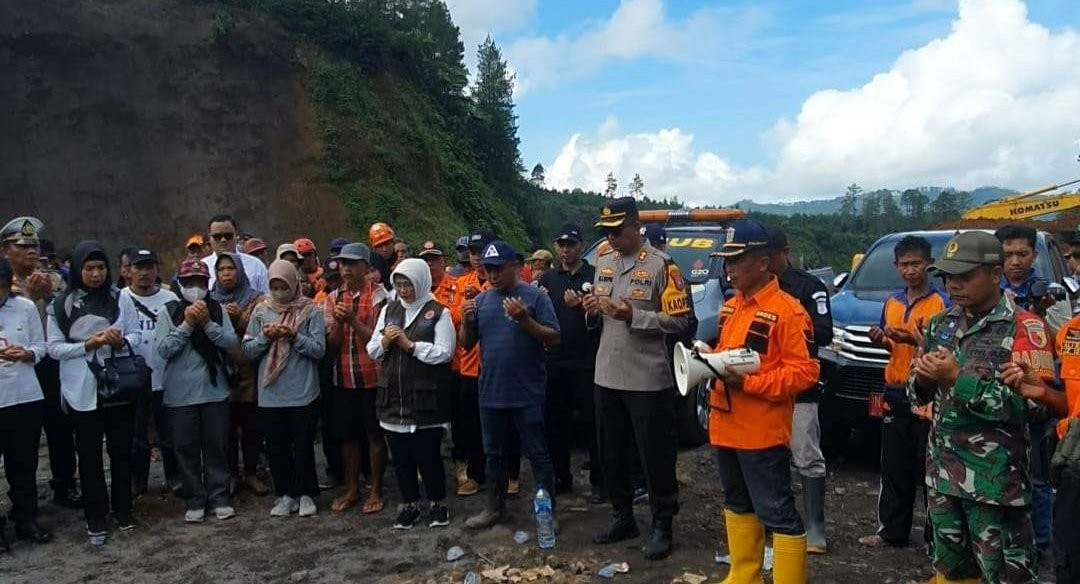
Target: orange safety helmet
column 379, row 234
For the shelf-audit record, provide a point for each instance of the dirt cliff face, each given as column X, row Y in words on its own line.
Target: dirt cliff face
column 133, row 121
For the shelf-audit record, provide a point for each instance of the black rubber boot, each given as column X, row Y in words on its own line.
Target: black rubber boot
column 814, row 506
column 659, row 545
column 494, row 508
column 622, row 527
column 4, row 544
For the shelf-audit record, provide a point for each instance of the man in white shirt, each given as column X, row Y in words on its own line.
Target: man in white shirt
column 22, row 345
column 223, row 239
column 149, row 300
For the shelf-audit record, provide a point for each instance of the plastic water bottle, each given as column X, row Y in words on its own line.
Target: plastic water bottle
column 545, row 520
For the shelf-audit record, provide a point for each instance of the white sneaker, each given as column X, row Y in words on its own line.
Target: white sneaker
column 195, row 516
column 284, row 506
column 307, row 506
column 225, row 512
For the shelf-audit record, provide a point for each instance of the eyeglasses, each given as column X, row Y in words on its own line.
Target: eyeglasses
column 222, row 236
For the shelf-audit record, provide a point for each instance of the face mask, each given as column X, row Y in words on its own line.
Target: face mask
column 281, row 296
column 193, row 294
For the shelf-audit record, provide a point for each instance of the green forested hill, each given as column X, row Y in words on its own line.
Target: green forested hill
column 404, row 138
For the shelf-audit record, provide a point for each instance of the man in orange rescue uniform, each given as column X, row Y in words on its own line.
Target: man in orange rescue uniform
column 750, row 415
column 465, row 408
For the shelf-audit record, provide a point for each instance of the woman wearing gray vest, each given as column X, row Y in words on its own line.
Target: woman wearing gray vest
column 288, row 334
column 413, row 343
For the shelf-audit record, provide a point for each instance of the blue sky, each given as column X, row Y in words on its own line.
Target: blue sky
column 618, row 73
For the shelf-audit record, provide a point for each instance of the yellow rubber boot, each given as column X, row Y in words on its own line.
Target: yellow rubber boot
column 746, row 542
column 941, row 579
column 789, row 559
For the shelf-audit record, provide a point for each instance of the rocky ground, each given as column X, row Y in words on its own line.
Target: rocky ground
column 354, row 548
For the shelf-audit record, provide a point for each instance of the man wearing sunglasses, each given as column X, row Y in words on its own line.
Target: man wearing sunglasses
column 224, row 237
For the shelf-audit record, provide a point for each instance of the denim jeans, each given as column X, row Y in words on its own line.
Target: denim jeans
column 759, row 482
column 497, row 423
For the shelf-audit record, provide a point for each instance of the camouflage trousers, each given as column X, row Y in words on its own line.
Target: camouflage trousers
column 979, row 540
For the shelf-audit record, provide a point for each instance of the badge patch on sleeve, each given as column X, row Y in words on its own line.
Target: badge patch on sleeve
column 1036, row 332
column 674, row 299
column 821, row 298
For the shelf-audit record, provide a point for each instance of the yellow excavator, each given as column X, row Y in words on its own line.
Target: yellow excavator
column 1026, row 205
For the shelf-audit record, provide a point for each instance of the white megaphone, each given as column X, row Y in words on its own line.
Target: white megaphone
column 692, row 366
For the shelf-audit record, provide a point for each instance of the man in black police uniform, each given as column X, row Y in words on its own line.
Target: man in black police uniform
column 571, row 365
column 805, row 428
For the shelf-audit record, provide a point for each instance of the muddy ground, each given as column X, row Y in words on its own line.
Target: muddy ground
column 354, row 548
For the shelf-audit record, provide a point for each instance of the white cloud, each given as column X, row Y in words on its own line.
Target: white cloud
column 993, row 102
column 666, row 161
column 479, row 18
column 637, row 29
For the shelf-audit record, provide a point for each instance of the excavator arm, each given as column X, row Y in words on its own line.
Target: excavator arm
column 1024, row 208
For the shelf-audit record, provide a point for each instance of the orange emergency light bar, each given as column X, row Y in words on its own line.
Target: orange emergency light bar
column 691, row 215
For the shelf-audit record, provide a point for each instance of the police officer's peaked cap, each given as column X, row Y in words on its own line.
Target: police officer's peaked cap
column 969, row 250
column 744, row 235
column 22, row 231
column 617, row 212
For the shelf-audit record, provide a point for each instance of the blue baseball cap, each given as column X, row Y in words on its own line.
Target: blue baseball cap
column 744, row 235
column 336, row 244
column 655, row 233
column 356, row 252
column 498, row 253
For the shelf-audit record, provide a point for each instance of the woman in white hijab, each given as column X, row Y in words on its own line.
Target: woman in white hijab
column 413, row 343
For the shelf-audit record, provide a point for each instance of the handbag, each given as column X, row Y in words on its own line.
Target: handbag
column 122, row 379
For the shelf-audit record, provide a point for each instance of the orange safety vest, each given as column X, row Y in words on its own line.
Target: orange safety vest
column 468, row 361
column 898, row 314
column 446, row 294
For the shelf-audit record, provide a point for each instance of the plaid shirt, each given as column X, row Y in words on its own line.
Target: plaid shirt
column 353, row 369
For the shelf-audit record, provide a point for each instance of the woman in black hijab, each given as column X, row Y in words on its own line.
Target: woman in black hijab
column 92, row 319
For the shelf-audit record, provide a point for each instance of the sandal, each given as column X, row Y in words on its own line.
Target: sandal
column 873, row 541
column 372, row 506
column 344, row 503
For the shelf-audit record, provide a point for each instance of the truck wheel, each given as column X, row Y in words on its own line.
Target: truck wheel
column 693, row 416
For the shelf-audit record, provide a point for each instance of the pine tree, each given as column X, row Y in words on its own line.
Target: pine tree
column 915, row 202
column 536, row 179
column 851, row 197
column 495, row 139
column 612, row 186
column 891, row 217
column 637, row 187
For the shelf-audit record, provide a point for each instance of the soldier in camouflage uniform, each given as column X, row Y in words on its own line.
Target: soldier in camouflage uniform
column 977, row 458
